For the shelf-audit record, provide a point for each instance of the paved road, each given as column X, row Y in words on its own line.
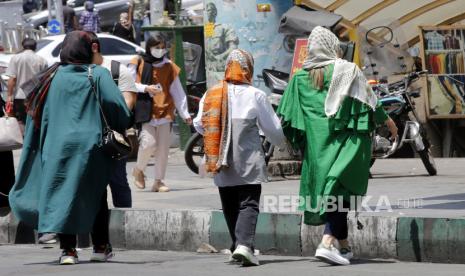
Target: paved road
column 33, row 260
column 404, row 182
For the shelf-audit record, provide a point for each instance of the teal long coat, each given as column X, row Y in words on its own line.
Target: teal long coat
column 63, row 172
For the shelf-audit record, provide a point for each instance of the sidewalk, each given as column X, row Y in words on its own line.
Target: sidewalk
column 190, row 215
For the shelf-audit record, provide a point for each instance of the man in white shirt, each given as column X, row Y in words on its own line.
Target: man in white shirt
column 121, row 193
column 21, row 68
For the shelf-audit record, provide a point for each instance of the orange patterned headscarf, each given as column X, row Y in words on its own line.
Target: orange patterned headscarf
column 215, row 117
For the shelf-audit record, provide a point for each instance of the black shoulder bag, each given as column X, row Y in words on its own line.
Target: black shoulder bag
column 114, row 144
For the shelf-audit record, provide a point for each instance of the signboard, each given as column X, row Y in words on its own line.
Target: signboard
column 251, row 25
column 443, row 56
column 300, row 55
column 54, row 27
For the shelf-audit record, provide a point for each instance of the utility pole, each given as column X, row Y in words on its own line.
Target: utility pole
column 156, row 10
column 55, row 11
column 50, row 9
column 59, row 14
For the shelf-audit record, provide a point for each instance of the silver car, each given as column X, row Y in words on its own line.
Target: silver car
column 49, row 47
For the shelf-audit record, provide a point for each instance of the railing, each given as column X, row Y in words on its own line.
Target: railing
column 11, row 37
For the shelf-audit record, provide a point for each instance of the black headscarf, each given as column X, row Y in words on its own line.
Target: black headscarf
column 153, row 40
column 77, row 48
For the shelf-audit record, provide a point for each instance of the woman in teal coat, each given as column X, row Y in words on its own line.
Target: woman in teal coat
column 63, row 172
column 329, row 110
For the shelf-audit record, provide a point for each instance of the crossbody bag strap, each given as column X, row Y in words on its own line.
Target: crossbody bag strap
column 92, row 84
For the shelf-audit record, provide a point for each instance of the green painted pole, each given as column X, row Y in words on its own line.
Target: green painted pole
column 184, row 129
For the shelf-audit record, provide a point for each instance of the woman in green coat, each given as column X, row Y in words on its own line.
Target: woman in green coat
column 329, row 110
column 63, row 172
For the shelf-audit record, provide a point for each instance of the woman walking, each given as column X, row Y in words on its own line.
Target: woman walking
column 63, row 172
column 230, row 116
column 160, row 94
column 329, row 110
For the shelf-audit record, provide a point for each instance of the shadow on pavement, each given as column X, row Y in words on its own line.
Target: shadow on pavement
column 456, row 205
column 276, row 261
column 371, row 261
column 356, row 262
column 389, row 176
column 87, row 262
column 460, row 196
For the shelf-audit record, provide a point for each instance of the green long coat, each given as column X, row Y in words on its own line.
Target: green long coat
column 337, row 150
column 63, row 172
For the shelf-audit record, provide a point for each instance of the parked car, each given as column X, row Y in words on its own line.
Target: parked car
column 49, row 48
column 108, row 10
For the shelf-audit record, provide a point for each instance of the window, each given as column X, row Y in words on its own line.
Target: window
column 115, row 47
column 42, row 43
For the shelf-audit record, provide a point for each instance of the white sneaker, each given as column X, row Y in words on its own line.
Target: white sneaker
column 330, row 255
column 102, row 255
column 347, row 253
column 232, row 259
column 48, row 238
column 245, row 255
column 69, row 258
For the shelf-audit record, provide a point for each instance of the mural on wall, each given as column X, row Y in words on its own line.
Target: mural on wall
column 249, row 25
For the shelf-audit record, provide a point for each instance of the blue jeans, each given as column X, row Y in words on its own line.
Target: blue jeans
column 138, row 26
column 146, row 23
column 120, row 191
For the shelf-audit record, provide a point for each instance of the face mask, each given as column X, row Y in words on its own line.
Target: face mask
column 157, row 53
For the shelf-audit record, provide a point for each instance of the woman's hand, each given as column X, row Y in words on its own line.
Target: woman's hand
column 152, row 90
column 188, row 121
column 392, row 128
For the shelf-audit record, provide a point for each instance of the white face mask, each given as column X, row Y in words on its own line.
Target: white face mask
column 157, row 53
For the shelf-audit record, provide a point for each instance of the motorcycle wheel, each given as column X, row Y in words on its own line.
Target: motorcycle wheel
column 194, row 152
column 428, row 161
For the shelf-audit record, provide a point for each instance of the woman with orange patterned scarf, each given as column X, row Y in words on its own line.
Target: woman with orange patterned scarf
column 230, row 116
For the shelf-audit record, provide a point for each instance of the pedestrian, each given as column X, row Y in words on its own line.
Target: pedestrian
column 231, row 114
column 30, row 6
column 21, row 68
column 124, row 28
column 160, row 94
column 7, row 178
column 69, row 18
column 120, row 191
column 63, row 172
column 329, row 111
column 90, row 19
column 139, row 9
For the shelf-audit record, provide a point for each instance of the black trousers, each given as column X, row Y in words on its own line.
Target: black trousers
column 241, row 209
column 120, row 191
column 7, row 175
column 19, row 109
column 336, row 223
column 100, row 231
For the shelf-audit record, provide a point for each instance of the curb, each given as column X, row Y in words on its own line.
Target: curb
column 403, row 238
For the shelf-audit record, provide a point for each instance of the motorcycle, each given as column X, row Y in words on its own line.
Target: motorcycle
column 396, row 99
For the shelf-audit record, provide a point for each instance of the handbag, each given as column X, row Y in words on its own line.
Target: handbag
column 114, row 144
column 11, row 137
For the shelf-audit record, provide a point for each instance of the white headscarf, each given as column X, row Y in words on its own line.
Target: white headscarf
column 348, row 79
